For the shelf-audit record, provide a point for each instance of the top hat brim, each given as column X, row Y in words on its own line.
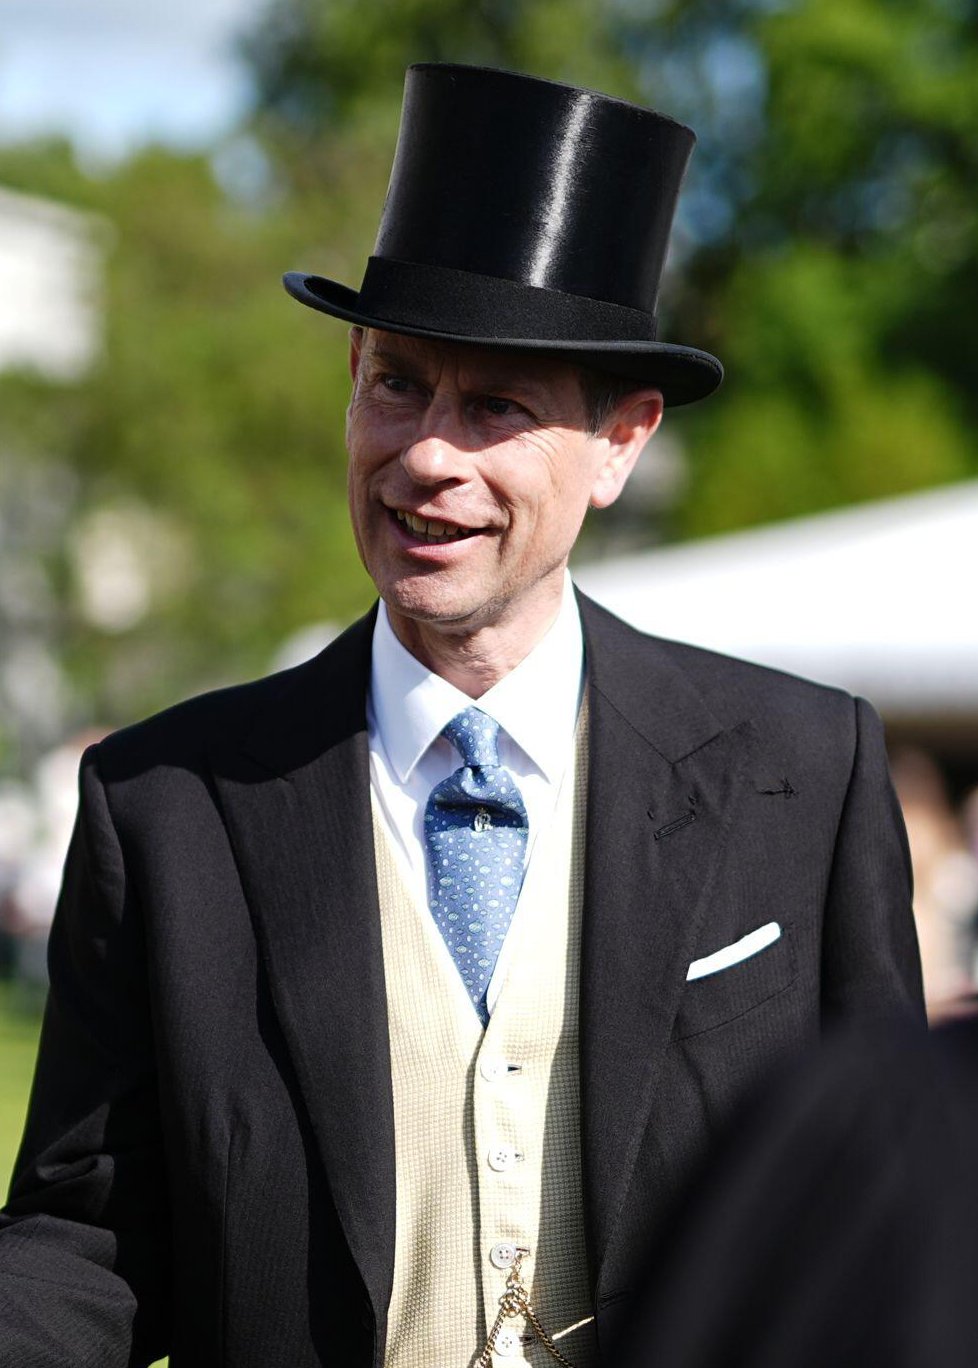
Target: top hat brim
column 458, row 305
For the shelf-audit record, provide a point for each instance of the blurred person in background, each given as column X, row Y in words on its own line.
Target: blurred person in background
column 945, row 885
column 420, row 976
column 17, row 823
column 969, row 820
column 35, row 874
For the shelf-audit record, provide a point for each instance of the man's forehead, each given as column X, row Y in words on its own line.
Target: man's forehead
column 485, row 365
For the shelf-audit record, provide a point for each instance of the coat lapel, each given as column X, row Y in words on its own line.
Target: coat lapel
column 662, row 780
column 296, row 796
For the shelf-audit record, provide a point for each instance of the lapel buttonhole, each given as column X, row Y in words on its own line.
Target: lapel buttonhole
column 676, row 825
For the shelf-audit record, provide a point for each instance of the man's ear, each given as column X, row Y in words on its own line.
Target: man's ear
column 625, row 434
column 356, row 350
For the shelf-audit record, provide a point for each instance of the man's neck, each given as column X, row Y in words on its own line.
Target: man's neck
column 474, row 659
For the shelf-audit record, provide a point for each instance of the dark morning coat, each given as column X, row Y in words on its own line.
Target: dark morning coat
column 208, row 1166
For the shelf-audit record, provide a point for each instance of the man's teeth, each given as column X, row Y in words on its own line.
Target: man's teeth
column 430, row 528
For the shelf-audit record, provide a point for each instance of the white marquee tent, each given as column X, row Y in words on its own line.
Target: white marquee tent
column 878, row 598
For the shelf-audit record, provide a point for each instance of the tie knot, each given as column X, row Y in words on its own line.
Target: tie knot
column 475, row 736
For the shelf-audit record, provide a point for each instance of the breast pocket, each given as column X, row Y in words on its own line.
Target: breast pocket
column 729, row 992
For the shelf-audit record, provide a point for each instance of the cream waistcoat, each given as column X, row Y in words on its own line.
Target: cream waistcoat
column 487, row 1124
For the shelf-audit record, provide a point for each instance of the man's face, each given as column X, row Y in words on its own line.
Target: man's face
column 470, row 473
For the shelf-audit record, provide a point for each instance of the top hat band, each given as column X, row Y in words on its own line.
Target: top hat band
column 444, row 299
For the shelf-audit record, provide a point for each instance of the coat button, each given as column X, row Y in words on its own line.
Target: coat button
column 501, row 1158
column 502, row 1255
column 492, row 1069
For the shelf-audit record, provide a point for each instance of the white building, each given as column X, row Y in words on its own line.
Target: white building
column 50, row 283
column 51, row 269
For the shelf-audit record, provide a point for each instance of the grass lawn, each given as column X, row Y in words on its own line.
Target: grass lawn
column 20, row 1021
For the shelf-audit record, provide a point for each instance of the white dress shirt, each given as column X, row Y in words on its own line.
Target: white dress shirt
column 536, row 706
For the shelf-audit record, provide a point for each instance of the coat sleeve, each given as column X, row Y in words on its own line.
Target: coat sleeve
column 83, row 1247
column 870, row 961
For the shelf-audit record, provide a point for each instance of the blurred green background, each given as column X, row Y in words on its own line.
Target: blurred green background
column 18, row 1043
column 826, row 249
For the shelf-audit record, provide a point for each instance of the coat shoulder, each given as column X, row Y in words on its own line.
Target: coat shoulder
column 732, row 690
column 730, row 683
column 331, row 683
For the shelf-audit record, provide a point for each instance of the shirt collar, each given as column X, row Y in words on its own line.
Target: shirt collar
column 536, row 704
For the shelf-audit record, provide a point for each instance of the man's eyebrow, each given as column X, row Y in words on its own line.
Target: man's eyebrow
column 512, row 382
column 488, row 380
column 389, row 357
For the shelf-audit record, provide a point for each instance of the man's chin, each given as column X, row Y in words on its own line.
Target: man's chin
column 435, row 608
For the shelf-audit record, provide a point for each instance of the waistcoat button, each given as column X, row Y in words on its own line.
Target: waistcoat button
column 501, row 1158
column 507, row 1343
column 502, row 1255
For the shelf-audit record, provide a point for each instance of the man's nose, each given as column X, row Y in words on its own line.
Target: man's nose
column 434, row 452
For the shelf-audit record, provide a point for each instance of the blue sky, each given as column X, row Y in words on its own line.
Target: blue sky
column 114, row 73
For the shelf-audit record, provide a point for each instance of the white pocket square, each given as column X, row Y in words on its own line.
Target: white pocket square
column 748, row 945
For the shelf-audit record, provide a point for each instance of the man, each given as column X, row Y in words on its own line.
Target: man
column 371, row 1006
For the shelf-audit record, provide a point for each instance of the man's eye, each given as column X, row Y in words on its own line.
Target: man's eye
column 498, row 407
column 397, row 384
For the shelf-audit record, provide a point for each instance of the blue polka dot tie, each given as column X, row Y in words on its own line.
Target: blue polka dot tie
column 475, row 830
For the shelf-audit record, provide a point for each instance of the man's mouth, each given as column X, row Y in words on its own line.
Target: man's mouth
column 430, row 530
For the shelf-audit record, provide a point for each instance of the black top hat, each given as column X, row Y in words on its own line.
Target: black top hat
column 525, row 213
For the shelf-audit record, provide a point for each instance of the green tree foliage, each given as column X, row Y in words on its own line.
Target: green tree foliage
column 210, row 432
column 322, row 67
